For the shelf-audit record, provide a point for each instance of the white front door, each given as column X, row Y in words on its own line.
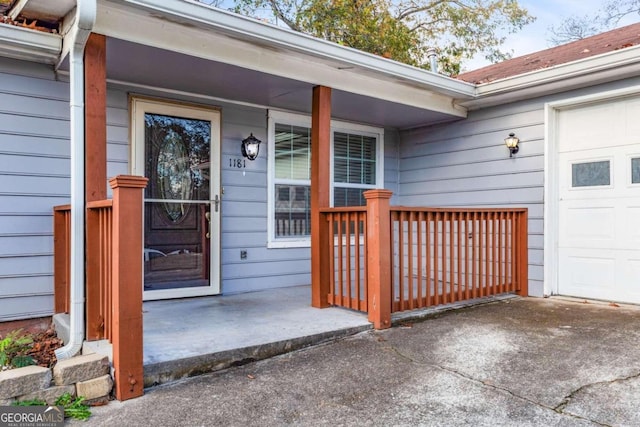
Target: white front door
column 599, row 201
column 177, row 147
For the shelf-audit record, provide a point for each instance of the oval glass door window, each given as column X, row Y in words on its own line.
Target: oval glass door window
column 173, row 175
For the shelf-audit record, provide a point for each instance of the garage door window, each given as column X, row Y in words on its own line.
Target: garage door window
column 591, row 174
column 635, row 171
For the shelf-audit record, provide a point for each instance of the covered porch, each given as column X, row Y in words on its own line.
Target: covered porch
column 229, row 330
column 243, row 69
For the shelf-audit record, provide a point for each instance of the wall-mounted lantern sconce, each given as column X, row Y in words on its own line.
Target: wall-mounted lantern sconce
column 250, row 147
column 512, row 144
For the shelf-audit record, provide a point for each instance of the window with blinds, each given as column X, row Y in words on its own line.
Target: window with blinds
column 355, row 170
column 292, row 145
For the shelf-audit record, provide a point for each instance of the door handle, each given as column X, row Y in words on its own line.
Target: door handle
column 216, row 202
column 207, row 216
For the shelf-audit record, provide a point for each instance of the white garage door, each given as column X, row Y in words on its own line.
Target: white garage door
column 599, row 179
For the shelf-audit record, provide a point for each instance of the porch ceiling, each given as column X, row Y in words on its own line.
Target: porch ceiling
column 132, row 63
column 180, row 45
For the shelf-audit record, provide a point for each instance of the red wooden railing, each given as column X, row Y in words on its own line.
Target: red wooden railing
column 347, row 258
column 99, row 269
column 441, row 255
column 99, row 247
column 113, row 277
column 387, row 259
column 62, row 258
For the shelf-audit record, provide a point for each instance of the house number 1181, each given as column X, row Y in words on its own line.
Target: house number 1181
column 238, row 163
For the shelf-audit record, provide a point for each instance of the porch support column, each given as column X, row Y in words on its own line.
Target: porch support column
column 523, row 254
column 95, row 102
column 320, row 198
column 379, row 257
column 126, row 335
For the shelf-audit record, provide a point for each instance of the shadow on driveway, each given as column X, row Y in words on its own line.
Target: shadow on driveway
column 515, row 362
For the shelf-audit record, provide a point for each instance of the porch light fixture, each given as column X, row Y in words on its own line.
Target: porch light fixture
column 250, row 147
column 512, row 144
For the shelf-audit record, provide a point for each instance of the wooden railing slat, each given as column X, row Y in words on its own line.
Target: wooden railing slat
column 438, row 255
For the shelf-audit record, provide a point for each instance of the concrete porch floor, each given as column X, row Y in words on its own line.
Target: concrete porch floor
column 187, row 337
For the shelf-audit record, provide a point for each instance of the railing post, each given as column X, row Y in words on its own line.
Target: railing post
column 127, row 285
column 379, row 257
column 61, row 258
column 523, row 254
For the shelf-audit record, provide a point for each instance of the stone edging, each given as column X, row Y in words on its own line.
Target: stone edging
column 87, row 376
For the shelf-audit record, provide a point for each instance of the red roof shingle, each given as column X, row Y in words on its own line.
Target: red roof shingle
column 619, row 38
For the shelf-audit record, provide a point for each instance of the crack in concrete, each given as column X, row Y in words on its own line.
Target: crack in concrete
column 560, row 408
column 506, row 390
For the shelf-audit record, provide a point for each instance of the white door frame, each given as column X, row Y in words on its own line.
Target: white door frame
column 139, row 106
column 552, row 178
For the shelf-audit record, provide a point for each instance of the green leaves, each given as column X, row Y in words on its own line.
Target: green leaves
column 402, row 30
column 73, row 407
column 13, row 349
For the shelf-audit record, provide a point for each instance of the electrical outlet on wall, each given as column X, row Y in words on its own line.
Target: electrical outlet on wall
column 243, row 254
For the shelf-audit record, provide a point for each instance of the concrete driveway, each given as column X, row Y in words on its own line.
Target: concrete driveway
column 518, row 362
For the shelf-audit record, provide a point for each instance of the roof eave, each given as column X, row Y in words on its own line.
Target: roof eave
column 609, row 66
column 30, row 45
column 195, row 15
column 270, row 35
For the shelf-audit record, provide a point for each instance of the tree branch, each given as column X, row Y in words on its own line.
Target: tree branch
column 280, row 14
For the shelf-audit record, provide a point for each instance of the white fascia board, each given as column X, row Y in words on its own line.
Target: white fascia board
column 588, row 71
column 216, row 35
column 30, row 45
column 252, row 29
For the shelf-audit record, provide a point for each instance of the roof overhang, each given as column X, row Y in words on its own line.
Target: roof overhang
column 198, row 30
column 598, row 69
column 294, row 61
column 48, row 10
column 23, row 43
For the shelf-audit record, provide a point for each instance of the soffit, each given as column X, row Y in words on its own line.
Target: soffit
column 159, row 70
column 278, row 53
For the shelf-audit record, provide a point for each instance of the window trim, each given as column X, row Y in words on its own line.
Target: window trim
column 609, row 159
column 294, row 119
column 378, row 133
column 630, row 159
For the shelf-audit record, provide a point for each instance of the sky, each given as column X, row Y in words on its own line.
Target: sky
column 548, row 13
column 535, row 36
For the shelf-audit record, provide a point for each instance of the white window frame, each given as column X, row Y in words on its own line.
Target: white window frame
column 570, row 186
column 629, row 177
column 294, row 119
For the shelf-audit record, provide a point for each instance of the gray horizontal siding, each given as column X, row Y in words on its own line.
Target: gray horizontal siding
column 244, row 213
column 244, row 202
column 467, row 164
column 118, row 149
column 34, row 177
column 391, row 160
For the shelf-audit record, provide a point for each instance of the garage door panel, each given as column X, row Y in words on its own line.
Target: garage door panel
column 633, row 277
column 592, row 272
column 587, row 226
column 575, row 135
column 632, row 225
column 599, row 201
column 588, row 276
column 632, row 112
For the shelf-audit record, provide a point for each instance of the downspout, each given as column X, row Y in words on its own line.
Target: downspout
column 84, row 21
